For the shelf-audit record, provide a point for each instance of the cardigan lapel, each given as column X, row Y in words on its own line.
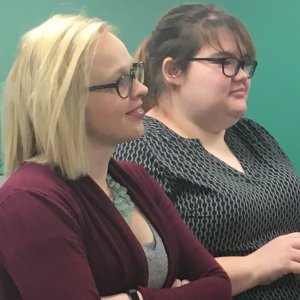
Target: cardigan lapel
column 142, row 195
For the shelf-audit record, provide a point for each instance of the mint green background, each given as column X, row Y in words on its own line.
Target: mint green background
column 274, row 100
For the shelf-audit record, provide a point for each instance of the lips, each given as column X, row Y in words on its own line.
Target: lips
column 242, row 92
column 136, row 112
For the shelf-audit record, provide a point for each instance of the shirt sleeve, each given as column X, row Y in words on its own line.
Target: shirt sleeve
column 208, row 279
column 42, row 249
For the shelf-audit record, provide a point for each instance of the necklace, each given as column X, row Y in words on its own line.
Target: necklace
column 121, row 198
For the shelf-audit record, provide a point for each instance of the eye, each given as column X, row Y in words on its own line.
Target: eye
column 230, row 61
column 218, row 61
column 249, row 63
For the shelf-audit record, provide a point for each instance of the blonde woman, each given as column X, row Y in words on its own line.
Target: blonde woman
column 74, row 223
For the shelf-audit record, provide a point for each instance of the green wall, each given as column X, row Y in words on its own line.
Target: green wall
column 274, row 100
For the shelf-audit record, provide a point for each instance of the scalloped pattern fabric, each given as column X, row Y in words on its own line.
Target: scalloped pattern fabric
column 121, row 199
column 230, row 212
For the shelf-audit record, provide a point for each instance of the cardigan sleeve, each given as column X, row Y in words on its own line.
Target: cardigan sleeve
column 42, row 248
column 208, row 279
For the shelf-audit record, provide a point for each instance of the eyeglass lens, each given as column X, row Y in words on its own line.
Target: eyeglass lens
column 231, row 67
column 125, row 85
column 138, row 72
column 125, row 82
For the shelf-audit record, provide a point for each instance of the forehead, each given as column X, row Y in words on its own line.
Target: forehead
column 110, row 56
column 224, row 41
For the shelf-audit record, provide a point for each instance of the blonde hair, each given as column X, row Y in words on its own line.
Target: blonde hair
column 46, row 92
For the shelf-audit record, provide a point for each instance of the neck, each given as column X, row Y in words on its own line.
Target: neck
column 99, row 157
column 206, row 129
column 186, row 128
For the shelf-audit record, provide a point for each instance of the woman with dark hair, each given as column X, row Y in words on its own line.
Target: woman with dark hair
column 226, row 175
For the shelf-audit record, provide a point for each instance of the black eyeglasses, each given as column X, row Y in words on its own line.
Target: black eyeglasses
column 124, row 84
column 231, row 65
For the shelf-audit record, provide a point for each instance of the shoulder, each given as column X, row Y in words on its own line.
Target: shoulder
column 133, row 169
column 35, row 194
column 139, row 150
column 125, row 150
column 249, row 126
column 139, row 183
column 30, row 176
column 156, row 141
column 251, row 130
column 34, row 181
column 258, row 138
column 135, row 175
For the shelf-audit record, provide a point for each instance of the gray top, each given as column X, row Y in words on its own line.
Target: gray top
column 154, row 251
column 157, row 261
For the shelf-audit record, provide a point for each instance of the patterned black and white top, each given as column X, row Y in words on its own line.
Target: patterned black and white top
column 230, row 212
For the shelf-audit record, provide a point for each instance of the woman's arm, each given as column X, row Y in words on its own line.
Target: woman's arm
column 274, row 260
column 41, row 248
column 208, row 279
column 122, row 296
column 40, row 243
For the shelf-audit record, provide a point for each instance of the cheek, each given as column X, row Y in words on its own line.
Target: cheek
column 101, row 105
column 96, row 111
column 213, row 80
column 220, row 88
column 223, row 88
column 104, row 111
column 215, row 90
column 93, row 120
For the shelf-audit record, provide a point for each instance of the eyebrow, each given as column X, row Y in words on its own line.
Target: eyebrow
column 122, row 70
column 228, row 54
column 223, row 54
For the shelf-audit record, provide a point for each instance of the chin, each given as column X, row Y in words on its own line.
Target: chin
column 236, row 117
column 239, row 111
column 138, row 131
column 133, row 136
column 239, row 114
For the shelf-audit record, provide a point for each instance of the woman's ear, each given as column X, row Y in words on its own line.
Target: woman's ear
column 171, row 74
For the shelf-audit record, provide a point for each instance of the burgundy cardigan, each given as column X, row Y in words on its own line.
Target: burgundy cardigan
column 62, row 239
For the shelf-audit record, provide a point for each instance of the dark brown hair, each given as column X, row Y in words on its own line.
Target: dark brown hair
column 180, row 34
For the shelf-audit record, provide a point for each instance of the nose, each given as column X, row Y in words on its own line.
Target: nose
column 138, row 89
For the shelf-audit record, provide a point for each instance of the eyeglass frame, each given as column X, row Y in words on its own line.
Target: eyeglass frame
column 115, row 85
column 222, row 60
